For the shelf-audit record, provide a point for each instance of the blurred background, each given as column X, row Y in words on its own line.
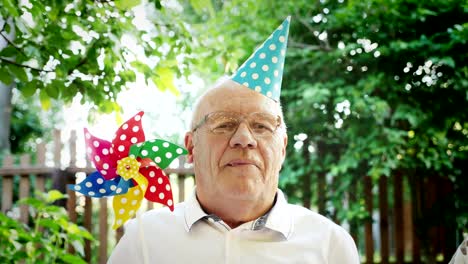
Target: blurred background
column 375, row 96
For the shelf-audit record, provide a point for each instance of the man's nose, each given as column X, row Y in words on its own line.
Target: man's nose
column 243, row 138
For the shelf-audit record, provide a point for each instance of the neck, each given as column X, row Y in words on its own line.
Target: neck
column 235, row 212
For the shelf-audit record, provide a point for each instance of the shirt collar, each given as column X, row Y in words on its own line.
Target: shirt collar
column 193, row 211
column 277, row 219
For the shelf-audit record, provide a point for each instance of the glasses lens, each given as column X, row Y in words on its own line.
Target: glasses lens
column 222, row 122
column 227, row 123
column 263, row 124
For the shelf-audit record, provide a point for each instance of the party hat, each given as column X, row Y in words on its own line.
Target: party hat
column 263, row 70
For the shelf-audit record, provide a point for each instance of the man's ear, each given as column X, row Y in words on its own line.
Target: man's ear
column 285, row 144
column 189, row 146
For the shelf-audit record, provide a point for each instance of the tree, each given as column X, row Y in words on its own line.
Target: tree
column 57, row 49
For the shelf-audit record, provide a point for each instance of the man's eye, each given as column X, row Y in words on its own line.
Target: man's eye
column 261, row 127
column 225, row 126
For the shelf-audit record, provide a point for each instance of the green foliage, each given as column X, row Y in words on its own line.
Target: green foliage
column 64, row 48
column 47, row 239
column 25, row 126
column 371, row 88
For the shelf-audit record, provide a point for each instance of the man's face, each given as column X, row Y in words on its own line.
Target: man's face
column 241, row 166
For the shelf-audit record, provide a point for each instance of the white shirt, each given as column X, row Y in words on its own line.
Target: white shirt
column 461, row 255
column 287, row 234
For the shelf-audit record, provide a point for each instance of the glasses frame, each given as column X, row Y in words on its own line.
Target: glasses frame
column 205, row 118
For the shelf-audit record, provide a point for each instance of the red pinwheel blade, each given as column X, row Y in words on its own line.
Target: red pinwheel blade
column 159, row 187
column 100, row 153
column 129, row 133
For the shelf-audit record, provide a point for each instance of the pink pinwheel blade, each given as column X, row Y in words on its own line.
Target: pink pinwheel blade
column 100, row 153
column 129, row 133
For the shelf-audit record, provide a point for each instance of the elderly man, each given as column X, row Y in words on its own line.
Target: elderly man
column 237, row 214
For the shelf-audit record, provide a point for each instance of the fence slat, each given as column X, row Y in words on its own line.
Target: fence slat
column 41, row 154
column 417, row 183
column 398, row 214
column 57, row 148
column 71, row 207
column 7, row 185
column 25, row 161
column 384, row 232
column 72, row 143
column 87, row 223
column 103, row 230
column 369, row 243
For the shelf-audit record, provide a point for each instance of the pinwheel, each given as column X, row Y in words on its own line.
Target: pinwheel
column 129, row 168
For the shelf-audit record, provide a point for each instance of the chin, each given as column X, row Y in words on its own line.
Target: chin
column 242, row 191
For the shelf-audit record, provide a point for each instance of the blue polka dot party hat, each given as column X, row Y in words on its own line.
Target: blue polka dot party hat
column 263, row 70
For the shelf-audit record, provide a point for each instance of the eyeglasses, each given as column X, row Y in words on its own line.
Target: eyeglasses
column 227, row 123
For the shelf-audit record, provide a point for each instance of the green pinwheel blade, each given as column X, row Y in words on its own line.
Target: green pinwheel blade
column 160, row 151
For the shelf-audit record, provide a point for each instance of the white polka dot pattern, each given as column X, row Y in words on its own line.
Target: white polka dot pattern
column 96, row 186
column 129, row 133
column 264, row 68
column 126, row 209
column 159, row 151
column 98, row 153
column 159, row 186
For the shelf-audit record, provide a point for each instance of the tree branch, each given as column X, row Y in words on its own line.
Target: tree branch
column 8, row 40
column 311, row 30
column 84, row 59
column 308, row 46
column 22, row 65
column 304, row 46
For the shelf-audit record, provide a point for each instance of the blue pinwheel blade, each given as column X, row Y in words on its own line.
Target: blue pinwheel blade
column 96, row 186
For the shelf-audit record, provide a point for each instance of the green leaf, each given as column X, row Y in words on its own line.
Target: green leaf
column 54, row 88
column 32, row 51
column 19, row 72
column 68, row 258
column 126, row 4
column 55, row 195
column 45, row 100
column 78, row 246
column 157, row 4
column 29, row 89
column 8, row 51
column 165, row 80
column 128, row 76
column 141, row 67
column 202, row 6
column 11, row 7
column 5, row 76
column 36, row 203
column 49, row 223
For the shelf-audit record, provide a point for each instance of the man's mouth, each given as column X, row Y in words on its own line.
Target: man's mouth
column 240, row 162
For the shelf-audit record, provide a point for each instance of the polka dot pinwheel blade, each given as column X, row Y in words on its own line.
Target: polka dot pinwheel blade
column 159, row 187
column 160, row 151
column 100, row 153
column 95, row 185
column 129, row 133
column 263, row 70
column 126, row 205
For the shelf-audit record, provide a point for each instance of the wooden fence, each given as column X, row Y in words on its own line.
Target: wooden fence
column 388, row 236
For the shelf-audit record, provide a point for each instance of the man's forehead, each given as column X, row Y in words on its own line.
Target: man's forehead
column 230, row 96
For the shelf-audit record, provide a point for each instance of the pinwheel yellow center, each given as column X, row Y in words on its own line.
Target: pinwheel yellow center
column 128, row 168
